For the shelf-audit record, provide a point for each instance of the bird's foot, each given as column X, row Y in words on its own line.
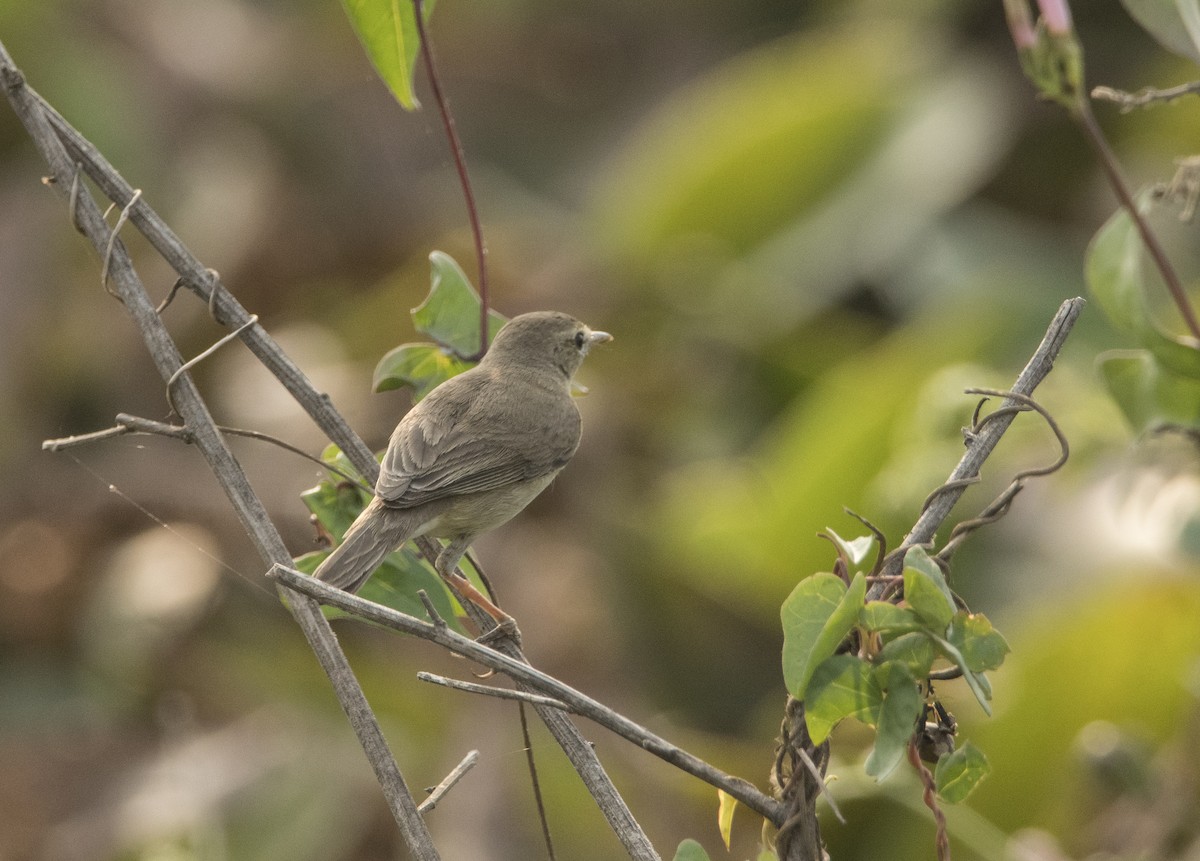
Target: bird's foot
column 506, row 628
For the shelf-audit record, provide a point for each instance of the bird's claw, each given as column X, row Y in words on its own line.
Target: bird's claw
column 506, row 629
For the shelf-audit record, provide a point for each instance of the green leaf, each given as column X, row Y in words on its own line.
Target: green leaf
column 886, row 616
column 898, row 715
column 958, row 773
column 690, row 850
column 335, row 501
column 1120, row 277
column 424, row 367
column 816, row 617
column 981, row 645
column 388, row 32
column 395, row 584
column 843, row 686
column 1149, row 394
column 926, row 591
column 914, row 650
column 450, row 313
column 1174, row 23
column 855, row 550
column 975, row 681
column 397, row 581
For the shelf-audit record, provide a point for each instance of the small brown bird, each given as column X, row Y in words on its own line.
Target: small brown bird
column 474, row 452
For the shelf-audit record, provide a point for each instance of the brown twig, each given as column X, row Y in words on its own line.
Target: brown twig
column 1144, row 97
column 437, row 793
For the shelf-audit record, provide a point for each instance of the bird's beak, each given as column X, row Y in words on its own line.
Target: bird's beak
column 598, row 338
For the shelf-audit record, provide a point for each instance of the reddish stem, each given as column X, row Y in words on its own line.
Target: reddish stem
column 929, row 796
column 460, row 164
column 1112, row 170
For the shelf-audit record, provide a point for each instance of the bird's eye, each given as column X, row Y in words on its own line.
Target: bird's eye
column 579, row 339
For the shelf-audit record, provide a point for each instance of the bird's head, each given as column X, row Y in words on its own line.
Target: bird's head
column 544, row 339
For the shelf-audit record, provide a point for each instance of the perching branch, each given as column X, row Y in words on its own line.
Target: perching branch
column 521, row 672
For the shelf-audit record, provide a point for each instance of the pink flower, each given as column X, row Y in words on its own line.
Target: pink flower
column 1057, row 16
column 1020, row 24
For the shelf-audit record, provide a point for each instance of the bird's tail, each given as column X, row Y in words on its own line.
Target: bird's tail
column 374, row 534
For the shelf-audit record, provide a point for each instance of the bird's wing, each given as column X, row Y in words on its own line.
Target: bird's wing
column 462, row 438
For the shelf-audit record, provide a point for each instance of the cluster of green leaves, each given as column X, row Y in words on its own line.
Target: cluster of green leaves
column 450, row 316
column 883, row 683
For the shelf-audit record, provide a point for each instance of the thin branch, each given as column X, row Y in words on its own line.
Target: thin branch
column 439, row 792
column 1146, row 96
column 127, row 424
column 200, row 357
column 208, row 440
column 519, row 671
column 1001, row 504
column 535, row 783
column 490, row 691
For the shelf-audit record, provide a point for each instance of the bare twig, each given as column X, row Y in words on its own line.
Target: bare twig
column 1001, row 504
column 490, row 691
column 929, row 795
column 458, row 773
column 206, row 284
column 127, row 424
column 1144, row 97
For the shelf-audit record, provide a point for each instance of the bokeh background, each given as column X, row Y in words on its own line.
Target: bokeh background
column 809, row 226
